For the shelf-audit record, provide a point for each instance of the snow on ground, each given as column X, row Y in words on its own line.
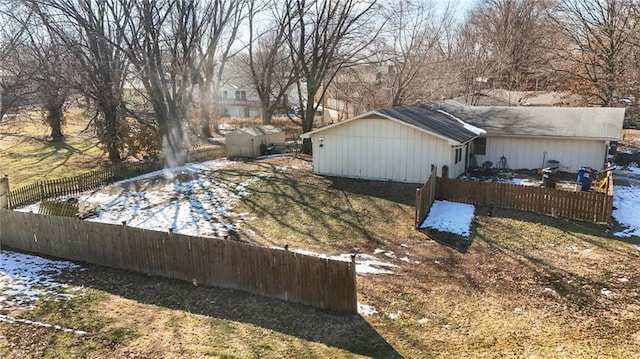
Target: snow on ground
column 626, row 201
column 450, row 217
column 25, row 278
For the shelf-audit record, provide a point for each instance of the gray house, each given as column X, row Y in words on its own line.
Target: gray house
column 529, row 137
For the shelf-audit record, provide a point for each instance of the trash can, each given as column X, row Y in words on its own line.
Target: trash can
column 548, row 181
column 584, row 178
column 553, row 165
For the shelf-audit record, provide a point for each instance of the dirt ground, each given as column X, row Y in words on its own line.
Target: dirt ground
column 630, row 140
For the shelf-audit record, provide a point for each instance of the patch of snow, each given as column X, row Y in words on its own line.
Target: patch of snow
column 518, row 310
column 406, row 259
column 625, row 201
column 446, row 326
column 394, row 315
column 423, row 320
column 450, row 217
column 25, row 278
column 606, row 292
column 199, row 206
column 366, row 310
column 623, row 280
column 365, row 263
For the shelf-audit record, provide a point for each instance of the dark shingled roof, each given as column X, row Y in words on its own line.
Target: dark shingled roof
column 430, row 119
column 574, row 122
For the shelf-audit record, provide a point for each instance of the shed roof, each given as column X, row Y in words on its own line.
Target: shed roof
column 575, row 122
column 422, row 117
column 258, row 130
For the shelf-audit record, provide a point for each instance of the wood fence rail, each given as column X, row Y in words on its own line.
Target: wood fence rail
column 319, row 282
column 425, row 197
column 69, row 186
column 588, row 206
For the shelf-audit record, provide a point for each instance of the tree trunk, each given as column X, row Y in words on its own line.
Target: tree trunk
column 111, row 135
column 205, row 114
column 307, row 126
column 54, row 119
column 267, row 113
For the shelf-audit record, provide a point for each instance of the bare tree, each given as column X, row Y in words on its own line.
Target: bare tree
column 16, row 85
column 511, row 35
column 49, row 64
column 602, row 35
column 222, row 20
column 85, row 28
column 323, row 38
column 267, row 62
column 161, row 39
column 411, row 47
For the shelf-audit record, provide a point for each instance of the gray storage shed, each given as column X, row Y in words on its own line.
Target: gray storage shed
column 245, row 142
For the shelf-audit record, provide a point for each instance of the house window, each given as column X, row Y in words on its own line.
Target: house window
column 458, row 155
column 225, row 94
column 247, row 112
column 480, row 145
column 241, row 95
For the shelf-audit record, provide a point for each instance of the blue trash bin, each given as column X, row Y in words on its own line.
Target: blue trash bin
column 584, row 179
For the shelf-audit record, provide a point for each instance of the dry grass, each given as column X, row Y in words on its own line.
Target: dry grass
column 528, row 286
column 27, row 155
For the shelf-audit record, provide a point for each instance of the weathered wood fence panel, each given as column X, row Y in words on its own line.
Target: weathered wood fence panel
column 318, row 282
column 588, row 206
column 425, row 197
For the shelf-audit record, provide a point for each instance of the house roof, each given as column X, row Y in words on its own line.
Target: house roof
column 258, row 130
column 421, row 117
column 575, row 122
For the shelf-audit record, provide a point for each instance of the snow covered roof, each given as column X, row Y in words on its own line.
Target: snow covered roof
column 258, row 130
column 575, row 122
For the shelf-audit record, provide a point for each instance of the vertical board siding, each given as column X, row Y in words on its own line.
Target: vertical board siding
column 528, row 153
column 378, row 149
column 318, row 282
column 587, row 206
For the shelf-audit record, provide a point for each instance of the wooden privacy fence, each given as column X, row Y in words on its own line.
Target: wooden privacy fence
column 425, row 197
column 318, row 282
column 68, row 186
column 588, row 206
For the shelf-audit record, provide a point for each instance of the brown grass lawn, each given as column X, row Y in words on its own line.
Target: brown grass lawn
column 528, row 286
column 27, row 155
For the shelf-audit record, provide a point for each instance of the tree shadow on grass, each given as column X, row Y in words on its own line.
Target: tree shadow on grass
column 584, row 229
column 289, row 198
column 402, row 193
column 347, row 332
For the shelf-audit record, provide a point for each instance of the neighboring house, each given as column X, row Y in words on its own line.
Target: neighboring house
column 528, row 137
column 247, row 142
column 395, row 144
column 238, row 101
column 401, row 143
column 501, row 97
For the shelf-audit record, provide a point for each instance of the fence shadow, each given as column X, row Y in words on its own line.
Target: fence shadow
column 348, row 332
column 457, row 242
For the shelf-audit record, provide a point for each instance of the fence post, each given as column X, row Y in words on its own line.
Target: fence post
column 4, row 192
